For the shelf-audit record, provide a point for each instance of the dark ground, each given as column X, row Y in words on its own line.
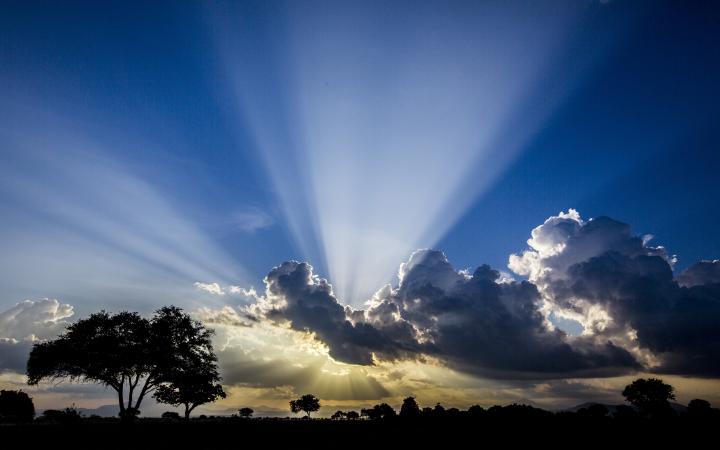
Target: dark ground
column 282, row 433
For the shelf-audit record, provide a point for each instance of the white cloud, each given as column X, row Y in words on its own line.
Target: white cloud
column 212, row 288
column 42, row 319
column 25, row 323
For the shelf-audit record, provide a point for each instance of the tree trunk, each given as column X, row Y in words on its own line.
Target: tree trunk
column 187, row 411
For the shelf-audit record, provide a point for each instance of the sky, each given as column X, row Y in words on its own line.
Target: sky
column 259, row 162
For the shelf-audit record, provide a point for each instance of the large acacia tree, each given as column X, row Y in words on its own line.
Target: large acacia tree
column 124, row 351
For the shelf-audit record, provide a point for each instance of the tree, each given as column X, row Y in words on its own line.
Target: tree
column 380, row 411
column 699, row 408
column 476, row 411
column 123, row 351
column 409, row 408
column 16, row 406
column 246, row 413
column 308, row 403
column 191, row 375
column 170, row 415
column 338, row 415
column 189, row 390
column 352, row 415
column 651, row 396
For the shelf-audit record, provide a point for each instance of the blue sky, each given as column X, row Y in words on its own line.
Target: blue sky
column 619, row 121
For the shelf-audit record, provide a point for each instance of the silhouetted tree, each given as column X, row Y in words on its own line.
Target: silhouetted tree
column 246, row 413
column 65, row 416
column 409, row 409
column 352, row 415
column 191, row 374
column 438, row 410
column 170, row 415
column 308, row 403
column 476, row 411
column 190, row 391
column 338, row 415
column 699, row 408
column 124, row 351
column 651, row 396
column 16, row 406
column 380, row 411
column 699, row 404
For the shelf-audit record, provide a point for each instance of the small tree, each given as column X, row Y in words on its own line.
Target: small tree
column 16, row 406
column 352, row 415
column 191, row 374
column 409, row 408
column 190, row 391
column 380, row 411
column 308, row 403
column 699, row 408
column 338, row 415
column 651, row 396
column 245, row 413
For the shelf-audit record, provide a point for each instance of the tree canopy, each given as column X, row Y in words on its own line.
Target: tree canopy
column 409, row 408
column 307, row 403
column 16, row 406
column 651, row 396
column 132, row 355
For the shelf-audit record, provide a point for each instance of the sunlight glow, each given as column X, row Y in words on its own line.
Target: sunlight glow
column 379, row 130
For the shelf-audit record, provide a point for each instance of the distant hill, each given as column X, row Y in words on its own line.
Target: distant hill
column 155, row 410
column 677, row 407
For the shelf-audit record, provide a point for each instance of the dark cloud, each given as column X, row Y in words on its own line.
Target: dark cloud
column 494, row 329
column 636, row 314
column 474, row 324
column 14, row 355
column 308, row 303
column 675, row 319
column 700, row 273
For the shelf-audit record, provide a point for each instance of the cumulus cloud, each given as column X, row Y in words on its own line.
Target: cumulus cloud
column 635, row 313
column 482, row 323
column 700, row 273
column 25, row 323
column 29, row 319
column 624, row 290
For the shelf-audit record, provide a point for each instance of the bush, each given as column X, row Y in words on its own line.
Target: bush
column 16, row 406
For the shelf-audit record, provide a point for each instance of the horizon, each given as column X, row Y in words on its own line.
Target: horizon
column 471, row 203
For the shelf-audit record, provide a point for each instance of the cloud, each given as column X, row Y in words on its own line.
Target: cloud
column 296, row 296
column 623, row 290
column 212, row 288
column 25, row 323
column 482, row 323
column 636, row 315
column 700, row 273
column 29, row 319
column 251, row 220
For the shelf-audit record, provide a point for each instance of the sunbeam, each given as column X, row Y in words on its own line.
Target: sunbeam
column 83, row 224
column 375, row 164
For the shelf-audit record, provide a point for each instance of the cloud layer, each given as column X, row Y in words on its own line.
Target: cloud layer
column 25, row 323
column 636, row 314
